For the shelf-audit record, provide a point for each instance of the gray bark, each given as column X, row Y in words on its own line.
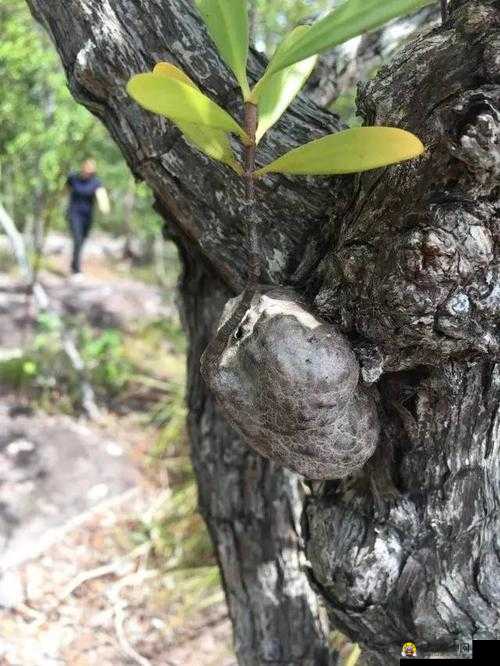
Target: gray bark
column 413, row 277
column 19, row 248
column 405, row 262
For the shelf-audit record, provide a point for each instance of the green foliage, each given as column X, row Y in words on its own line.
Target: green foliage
column 211, row 141
column 169, row 92
column 350, row 19
column 227, row 24
column 273, row 19
column 345, row 107
column 351, row 151
column 17, row 369
column 276, row 93
column 44, row 135
column 180, row 102
column 104, row 356
column 44, row 370
column 40, row 126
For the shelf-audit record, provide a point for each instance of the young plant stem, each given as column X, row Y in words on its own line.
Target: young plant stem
column 251, row 223
column 218, row 344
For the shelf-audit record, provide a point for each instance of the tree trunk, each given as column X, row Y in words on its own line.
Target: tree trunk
column 253, row 510
column 413, row 277
column 405, row 261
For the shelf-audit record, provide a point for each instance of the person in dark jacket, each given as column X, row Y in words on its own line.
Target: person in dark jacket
column 85, row 189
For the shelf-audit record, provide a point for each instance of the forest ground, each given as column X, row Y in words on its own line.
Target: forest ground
column 103, row 558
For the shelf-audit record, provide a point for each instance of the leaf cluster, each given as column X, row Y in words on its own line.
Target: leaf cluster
column 168, row 91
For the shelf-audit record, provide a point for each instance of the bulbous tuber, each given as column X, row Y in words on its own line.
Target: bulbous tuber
column 289, row 383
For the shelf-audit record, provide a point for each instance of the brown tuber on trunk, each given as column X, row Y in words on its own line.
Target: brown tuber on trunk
column 289, row 383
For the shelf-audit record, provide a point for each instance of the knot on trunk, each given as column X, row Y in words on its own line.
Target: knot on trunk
column 477, row 118
column 289, row 383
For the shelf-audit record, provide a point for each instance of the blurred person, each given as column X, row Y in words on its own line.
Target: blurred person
column 85, row 188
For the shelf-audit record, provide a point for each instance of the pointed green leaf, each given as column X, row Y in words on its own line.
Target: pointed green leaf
column 282, row 47
column 275, row 93
column 352, row 18
column 227, row 23
column 180, row 102
column 350, row 151
column 213, row 142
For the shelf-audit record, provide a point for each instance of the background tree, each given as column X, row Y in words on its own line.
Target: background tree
column 405, row 262
column 44, row 135
column 272, row 19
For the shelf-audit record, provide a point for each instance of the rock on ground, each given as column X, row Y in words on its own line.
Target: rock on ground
column 53, row 468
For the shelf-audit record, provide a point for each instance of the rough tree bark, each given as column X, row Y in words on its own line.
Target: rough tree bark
column 405, row 261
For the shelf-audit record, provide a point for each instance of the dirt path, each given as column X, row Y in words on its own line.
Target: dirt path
column 75, row 588
column 89, row 600
column 105, row 294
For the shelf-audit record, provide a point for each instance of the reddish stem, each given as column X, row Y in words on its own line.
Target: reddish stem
column 251, row 224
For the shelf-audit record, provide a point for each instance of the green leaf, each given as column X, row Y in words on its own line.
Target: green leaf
column 29, row 368
column 275, row 93
column 350, row 151
column 213, row 142
column 227, row 23
column 352, row 18
column 180, row 102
